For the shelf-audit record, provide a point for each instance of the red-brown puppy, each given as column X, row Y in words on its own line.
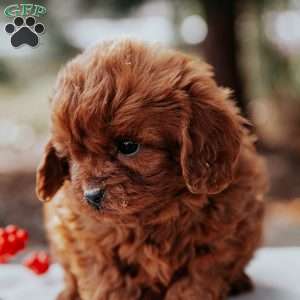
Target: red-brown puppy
column 155, row 184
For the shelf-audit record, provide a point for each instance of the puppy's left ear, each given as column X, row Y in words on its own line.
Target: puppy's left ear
column 211, row 138
column 51, row 173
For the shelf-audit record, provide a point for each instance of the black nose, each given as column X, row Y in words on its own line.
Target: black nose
column 94, row 197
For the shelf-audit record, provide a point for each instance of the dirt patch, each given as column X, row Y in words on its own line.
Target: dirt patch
column 19, row 205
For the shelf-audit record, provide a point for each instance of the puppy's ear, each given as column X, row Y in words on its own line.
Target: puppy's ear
column 51, row 173
column 211, row 139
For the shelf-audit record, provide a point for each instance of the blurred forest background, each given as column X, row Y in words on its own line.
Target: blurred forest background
column 254, row 46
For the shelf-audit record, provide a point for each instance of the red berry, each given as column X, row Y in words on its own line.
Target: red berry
column 29, row 261
column 43, row 257
column 38, row 262
column 22, row 235
column 12, row 240
column 3, row 246
column 20, row 245
column 3, row 233
column 43, row 269
column 11, row 229
column 13, row 245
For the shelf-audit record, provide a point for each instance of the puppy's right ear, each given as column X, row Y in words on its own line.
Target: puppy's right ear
column 51, row 173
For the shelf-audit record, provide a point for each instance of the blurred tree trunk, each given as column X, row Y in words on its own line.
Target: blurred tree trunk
column 222, row 46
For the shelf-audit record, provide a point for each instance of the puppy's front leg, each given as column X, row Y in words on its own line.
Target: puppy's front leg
column 70, row 291
column 195, row 289
column 241, row 285
column 113, row 285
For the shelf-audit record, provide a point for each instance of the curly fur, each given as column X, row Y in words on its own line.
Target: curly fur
column 182, row 218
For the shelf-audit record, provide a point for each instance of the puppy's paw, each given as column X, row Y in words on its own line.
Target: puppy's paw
column 186, row 289
column 68, row 295
column 242, row 285
column 149, row 294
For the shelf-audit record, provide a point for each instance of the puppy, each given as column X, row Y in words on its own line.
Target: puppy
column 155, row 184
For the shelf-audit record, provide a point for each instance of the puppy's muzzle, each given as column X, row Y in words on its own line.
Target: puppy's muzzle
column 94, row 197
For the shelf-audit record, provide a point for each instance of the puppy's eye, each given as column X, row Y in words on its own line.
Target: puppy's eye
column 128, row 147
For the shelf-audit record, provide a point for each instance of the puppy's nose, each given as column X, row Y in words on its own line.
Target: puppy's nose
column 94, row 197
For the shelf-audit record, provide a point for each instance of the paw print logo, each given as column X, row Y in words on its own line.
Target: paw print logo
column 24, row 32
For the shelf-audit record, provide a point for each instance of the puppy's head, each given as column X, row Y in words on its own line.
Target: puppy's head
column 134, row 128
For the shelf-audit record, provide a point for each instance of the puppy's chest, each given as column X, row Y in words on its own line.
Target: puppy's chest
column 131, row 253
column 148, row 256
